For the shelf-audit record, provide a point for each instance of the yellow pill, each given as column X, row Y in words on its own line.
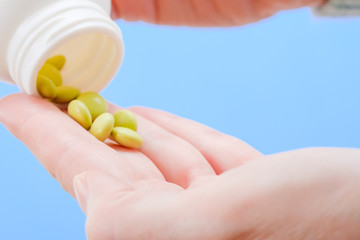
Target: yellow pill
column 125, row 118
column 126, row 137
column 102, row 126
column 57, row 61
column 45, row 87
column 66, row 94
column 94, row 102
column 51, row 73
column 78, row 111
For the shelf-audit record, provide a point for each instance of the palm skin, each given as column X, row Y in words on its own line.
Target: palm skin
column 189, row 181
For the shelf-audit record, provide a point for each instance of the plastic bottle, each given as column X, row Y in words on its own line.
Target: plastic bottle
column 31, row 31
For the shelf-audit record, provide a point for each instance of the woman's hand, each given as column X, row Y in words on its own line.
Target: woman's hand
column 191, row 182
column 203, row 12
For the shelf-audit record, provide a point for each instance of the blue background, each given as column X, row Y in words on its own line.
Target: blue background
column 288, row 82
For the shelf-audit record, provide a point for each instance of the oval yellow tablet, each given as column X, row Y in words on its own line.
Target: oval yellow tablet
column 125, row 118
column 95, row 103
column 57, row 61
column 66, row 94
column 51, row 73
column 45, row 87
column 78, row 111
column 126, row 137
column 102, row 126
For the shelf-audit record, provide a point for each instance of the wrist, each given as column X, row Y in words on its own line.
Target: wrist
column 339, row 8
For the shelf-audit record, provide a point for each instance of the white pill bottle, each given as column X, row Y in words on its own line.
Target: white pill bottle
column 31, row 31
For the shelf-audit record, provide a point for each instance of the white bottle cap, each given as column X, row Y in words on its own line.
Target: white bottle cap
column 81, row 31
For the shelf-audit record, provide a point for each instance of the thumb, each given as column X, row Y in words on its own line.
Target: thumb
column 95, row 187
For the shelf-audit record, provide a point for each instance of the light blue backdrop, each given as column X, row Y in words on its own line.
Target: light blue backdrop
column 288, row 82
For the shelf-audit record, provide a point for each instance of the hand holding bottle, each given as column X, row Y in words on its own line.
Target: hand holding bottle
column 203, row 12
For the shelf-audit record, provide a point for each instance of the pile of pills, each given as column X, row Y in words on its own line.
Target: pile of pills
column 89, row 109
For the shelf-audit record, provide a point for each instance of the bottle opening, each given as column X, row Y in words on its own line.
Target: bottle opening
column 79, row 30
column 90, row 60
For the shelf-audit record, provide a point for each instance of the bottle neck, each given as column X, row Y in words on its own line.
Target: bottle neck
column 81, row 31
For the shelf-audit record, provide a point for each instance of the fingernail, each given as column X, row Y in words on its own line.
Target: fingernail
column 81, row 190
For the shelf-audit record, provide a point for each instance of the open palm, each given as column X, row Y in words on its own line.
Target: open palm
column 190, row 182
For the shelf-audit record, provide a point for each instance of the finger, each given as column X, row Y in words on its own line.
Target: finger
column 113, row 207
column 64, row 147
column 97, row 190
column 222, row 151
column 179, row 161
column 203, row 12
